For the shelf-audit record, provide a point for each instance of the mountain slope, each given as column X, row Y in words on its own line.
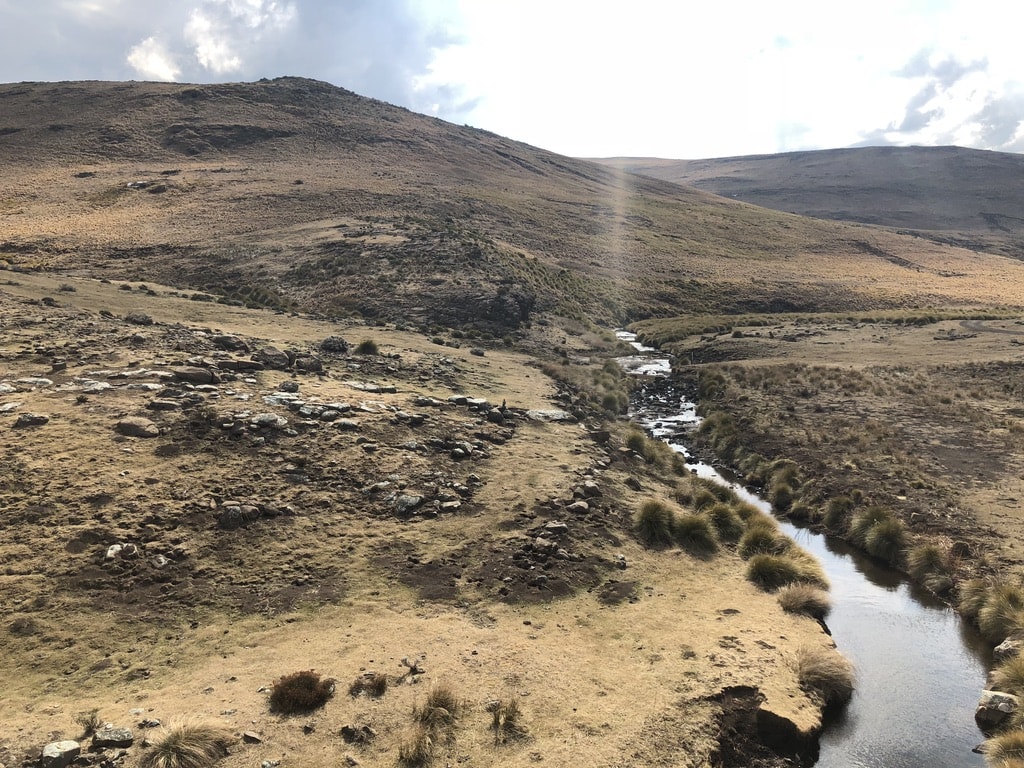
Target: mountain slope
column 296, row 193
column 951, row 194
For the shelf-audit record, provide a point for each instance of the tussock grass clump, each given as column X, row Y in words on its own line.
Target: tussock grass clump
column 417, row 746
column 654, row 523
column 825, row 675
column 781, row 496
column 762, row 537
column 187, row 745
column 373, row 684
column 727, row 522
column 89, row 721
column 885, row 540
column 1002, row 613
column 747, row 511
column 1008, row 676
column 695, row 534
column 1005, row 750
column 771, row 572
column 440, row 709
column 972, row 595
column 703, row 499
column 837, row 513
column 929, row 564
column 506, row 716
column 300, row 692
column 863, row 521
column 367, row 347
column 805, row 599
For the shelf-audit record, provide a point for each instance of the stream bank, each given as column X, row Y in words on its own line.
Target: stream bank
column 920, row 668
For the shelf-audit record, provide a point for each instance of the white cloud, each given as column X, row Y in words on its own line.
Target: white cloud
column 211, row 46
column 151, row 60
column 224, row 33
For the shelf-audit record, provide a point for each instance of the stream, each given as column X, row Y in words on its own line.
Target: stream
column 920, row 669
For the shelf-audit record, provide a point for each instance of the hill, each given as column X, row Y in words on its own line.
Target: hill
column 954, row 195
column 295, row 193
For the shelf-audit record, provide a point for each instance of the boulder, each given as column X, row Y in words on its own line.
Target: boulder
column 309, row 363
column 30, row 420
column 138, row 318
column 58, row 754
column 407, row 502
column 229, row 343
column 335, row 345
column 137, row 426
column 994, row 709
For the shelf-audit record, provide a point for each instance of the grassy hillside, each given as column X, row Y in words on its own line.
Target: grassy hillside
column 294, row 193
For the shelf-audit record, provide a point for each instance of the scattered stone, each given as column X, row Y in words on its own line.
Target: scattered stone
column 309, row 363
column 12, row 406
column 407, row 502
column 31, row 420
column 112, row 737
column 162, row 405
column 272, row 357
column 288, row 385
column 268, row 421
column 58, row 754
column 633, row 484
column 251, row 737
column 149, row 722
column 229, row 343
column 335, row 345
column 1009, row 648
column 33, row 382
column 995, row 708
column 552, row 415
column 137, row 426
column 578, row 508
column 363, row 734
column 138, row 318
column 196, row 375
column 350, row 759
column 476, row 351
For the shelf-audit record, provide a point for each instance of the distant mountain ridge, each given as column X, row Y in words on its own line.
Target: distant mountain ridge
column 965, row 196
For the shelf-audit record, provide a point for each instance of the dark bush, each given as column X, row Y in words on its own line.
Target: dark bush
column 300, row 692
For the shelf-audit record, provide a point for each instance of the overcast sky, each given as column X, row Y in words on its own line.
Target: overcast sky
column 666, row 78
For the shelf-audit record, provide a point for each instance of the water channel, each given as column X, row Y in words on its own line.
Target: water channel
column 920, row 669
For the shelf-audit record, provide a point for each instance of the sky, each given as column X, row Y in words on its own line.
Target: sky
column 587, row 78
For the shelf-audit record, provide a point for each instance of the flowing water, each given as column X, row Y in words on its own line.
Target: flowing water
column 920, row 670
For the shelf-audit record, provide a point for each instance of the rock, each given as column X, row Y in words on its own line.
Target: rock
column 578, row 508
column 268, row 421
column 33, row 382
column 407, row 502
column 995, row 708
column 162, row 405
column 1009, row 648
column 350, row 759
column 138, row 318
column 309, row 363
column 347, row 424
column 229, row 343
column 589, row 490
column 251, row 737
column 495, row 416
column 137, row 426
column 556, row 528
column 58, row 754
column 112, row 737
column 196, row 375
column 633, row 484
column 335, row 345
column 9, row 407
column 237, row 515
column 272, row 357
column 553, row 415
column 363, row 734
column 476, row 351
column 30, row 420
column 288, row 385
column 113, row 551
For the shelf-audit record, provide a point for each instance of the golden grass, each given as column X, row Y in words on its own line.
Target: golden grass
column 825, row 675
column 187, row 745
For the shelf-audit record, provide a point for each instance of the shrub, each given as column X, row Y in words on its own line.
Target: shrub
column 1002, row 613
column 781, row 496
column 89, row 721
column 1005, row 750
column 654, row 523
column 1008, row 676
column 367, row 347
column 885, row 540
column 187, row 745
column 372, row 683
column 747, row 511
column 825, row 675
column 727, row 522
column 417, row 748
column 505, row 716
column 805, row 599
column 300, row 692
column 695, row 534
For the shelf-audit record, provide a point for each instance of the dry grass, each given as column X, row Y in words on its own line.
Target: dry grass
column 805, row 599
column 1002, row 612
column 187, row 745
column 1005, row 750
column 89, row 721
column 654, row 523
column 371, row 683
column 441, row 708
column 506, row 720
column 825, row 675
column 771, row 572
column 417, row 746
column 695, row 534
column 1008, row 676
